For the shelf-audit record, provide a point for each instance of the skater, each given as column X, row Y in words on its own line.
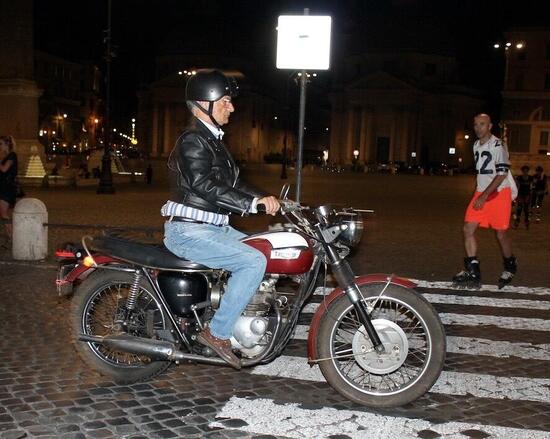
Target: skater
column 490, row 206
column 523, row 201
column 540, row 189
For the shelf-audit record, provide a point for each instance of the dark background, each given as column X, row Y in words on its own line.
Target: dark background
column 143, row 29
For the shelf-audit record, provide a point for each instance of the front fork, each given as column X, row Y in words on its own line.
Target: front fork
column 346, row 280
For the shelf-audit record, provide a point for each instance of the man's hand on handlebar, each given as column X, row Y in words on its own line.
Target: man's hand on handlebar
column 271, row 204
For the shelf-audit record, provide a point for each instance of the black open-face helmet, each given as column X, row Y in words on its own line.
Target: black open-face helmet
column 209, row 86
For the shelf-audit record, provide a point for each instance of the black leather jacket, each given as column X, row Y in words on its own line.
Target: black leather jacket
column 205, row 176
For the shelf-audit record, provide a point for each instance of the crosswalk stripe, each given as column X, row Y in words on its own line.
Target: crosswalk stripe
column 454, row 383
column 477, row 346
column 531, row 324
column 440, row 285
column 263, row 416
column 484, row 287
column 469, row 300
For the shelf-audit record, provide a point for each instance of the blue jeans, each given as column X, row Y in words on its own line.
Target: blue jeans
column 221, row 248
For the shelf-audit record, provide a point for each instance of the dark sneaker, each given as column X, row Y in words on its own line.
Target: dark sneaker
column 220, row 347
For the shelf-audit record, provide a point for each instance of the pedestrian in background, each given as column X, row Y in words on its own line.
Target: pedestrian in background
column 523, row 201
column 490, row 206
column 540, row 189
column 8, row 181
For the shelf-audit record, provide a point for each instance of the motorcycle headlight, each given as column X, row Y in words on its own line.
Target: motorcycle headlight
column 351, row 225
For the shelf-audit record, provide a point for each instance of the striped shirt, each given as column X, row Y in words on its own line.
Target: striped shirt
column 171, row 208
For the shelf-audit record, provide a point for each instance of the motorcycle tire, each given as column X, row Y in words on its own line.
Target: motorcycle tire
column 94, row 309
column 414, row 341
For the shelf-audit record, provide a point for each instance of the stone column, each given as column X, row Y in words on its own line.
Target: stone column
column 393, row 136
column 155, row 131
column 18, row 91
column 369, row 141
column 405, row 147
column 363, row 135
column 167, row 138
column 348, row 152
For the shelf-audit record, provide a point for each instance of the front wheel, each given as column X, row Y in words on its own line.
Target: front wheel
column 413, row 338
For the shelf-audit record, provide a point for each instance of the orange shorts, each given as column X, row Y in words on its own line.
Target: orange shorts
column 495, row 212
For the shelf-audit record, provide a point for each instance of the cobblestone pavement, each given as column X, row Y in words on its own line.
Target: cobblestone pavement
column 496, row 381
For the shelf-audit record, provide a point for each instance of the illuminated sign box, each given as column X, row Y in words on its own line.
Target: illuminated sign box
column 303, row 42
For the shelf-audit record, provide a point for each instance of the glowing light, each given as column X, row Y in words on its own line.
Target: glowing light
column 53, row 132
column 88, row 261
column 519, row 46
column 356, row 153
column 452, row 150
column 413, row 154
column 508, row 44
column 466, row 136
column 96, row 121
column 64, row 115
column 40, row 133
column 275, row 117
column 180, row 73
column 496, row 46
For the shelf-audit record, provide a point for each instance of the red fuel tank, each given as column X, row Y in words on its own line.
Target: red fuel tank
column 286, row 252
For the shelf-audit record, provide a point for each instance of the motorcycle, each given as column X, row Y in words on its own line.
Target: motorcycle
column 137, row 309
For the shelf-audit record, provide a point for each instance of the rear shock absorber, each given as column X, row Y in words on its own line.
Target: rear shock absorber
column 134, row 291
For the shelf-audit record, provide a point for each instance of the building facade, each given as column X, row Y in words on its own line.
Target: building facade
column 401, row 106
column 526, row 95
column 257, row 128
column 70, row 108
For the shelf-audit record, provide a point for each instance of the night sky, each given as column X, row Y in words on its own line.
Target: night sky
column 143, row 29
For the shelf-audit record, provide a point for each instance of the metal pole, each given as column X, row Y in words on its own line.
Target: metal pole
column 301, row 123
column 106, row 179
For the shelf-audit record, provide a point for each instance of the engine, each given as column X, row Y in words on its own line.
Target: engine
column 251, row 330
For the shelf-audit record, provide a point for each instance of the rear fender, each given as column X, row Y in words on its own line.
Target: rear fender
column 81, row 272
column 337, row 293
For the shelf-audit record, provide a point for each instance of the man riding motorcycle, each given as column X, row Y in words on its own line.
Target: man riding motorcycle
column 205, row 189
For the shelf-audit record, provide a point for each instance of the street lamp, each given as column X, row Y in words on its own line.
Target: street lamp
column 519, row 45
column 106, row 178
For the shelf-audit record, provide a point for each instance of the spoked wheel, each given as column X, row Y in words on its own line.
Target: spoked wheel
column 99, row 308
column 414, row 348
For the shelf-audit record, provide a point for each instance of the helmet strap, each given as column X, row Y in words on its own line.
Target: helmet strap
column 208, row 112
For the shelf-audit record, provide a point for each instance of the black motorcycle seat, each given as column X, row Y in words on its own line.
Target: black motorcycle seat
column 146, row 255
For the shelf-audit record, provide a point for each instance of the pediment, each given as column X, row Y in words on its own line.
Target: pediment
column 380, row 81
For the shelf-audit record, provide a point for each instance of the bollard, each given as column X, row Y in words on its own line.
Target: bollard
column 30, row 236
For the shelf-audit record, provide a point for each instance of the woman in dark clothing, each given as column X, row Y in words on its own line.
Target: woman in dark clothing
column 8, row 174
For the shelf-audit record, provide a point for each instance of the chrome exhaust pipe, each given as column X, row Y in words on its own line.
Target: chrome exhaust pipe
column 154, row 349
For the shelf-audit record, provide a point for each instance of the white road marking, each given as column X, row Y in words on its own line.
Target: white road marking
column 499, row 349
column 482, row 320
column 263, row 416
column 453, row 383
column 477, row 346
column 484, row 287
column 469, row 300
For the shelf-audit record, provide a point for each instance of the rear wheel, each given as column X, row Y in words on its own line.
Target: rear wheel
column 413, row 338
column 99, row 308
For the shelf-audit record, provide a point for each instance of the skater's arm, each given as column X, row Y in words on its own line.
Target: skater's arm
column 490, row 189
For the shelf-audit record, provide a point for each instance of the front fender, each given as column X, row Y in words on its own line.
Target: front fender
column 338, row 292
